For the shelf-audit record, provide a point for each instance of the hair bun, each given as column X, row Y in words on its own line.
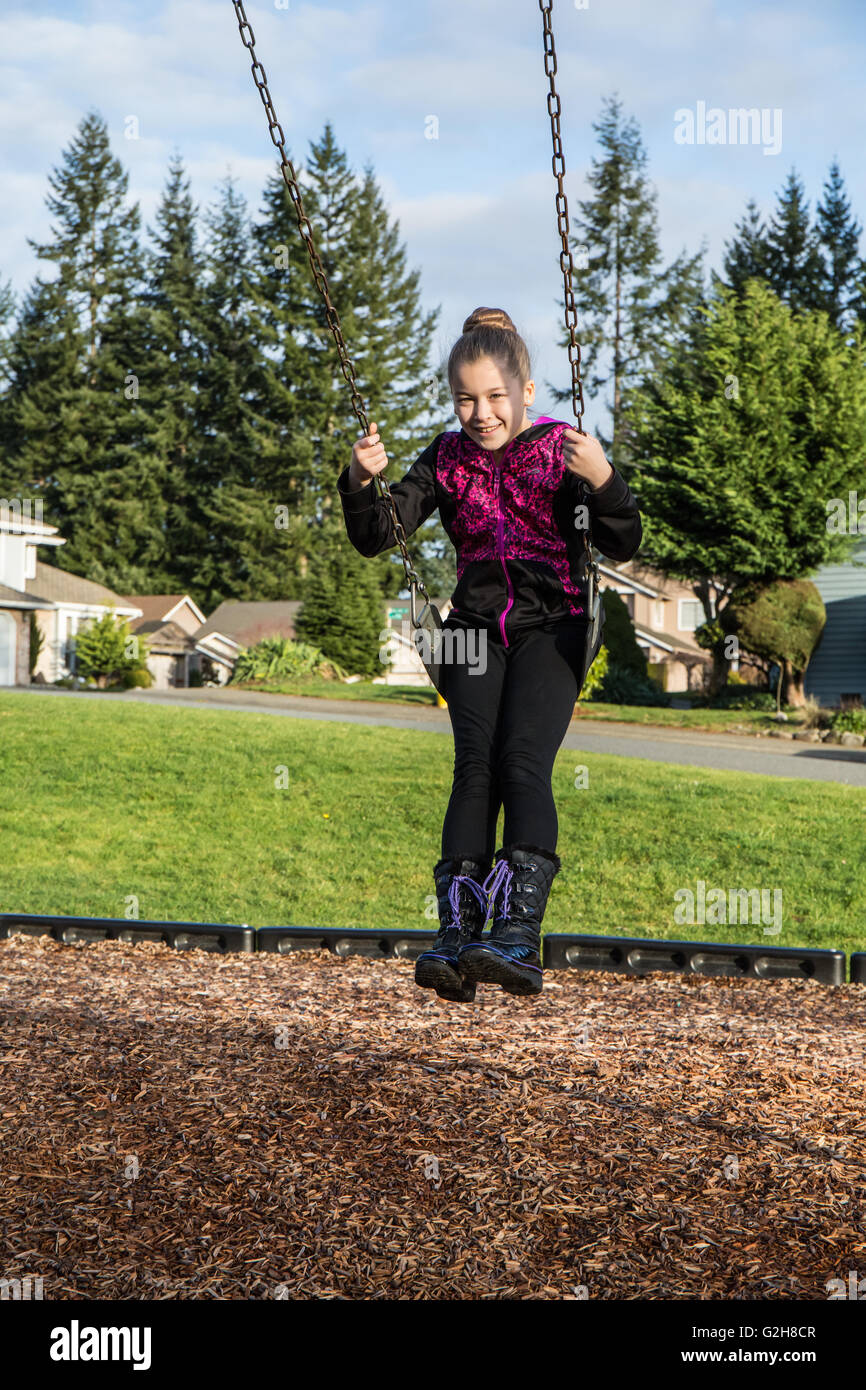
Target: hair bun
column 489, row 318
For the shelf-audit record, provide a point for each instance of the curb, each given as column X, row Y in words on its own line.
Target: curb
column 622, row 955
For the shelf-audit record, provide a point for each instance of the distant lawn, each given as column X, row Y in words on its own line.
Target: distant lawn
column 179, row 807
column 715, row 720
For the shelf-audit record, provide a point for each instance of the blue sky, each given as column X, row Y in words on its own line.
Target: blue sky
column 475, row 206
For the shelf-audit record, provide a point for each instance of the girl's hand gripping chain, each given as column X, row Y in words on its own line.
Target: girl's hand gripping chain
column 368, row 457
column 584, row 456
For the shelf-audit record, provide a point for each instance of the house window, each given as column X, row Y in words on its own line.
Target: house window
column 74, row 621
column 658, row 613
column 691, row 614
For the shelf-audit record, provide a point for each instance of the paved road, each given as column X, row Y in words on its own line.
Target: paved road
column 731, row 752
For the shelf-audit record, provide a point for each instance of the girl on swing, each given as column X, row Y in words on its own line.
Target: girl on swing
column 509, row 492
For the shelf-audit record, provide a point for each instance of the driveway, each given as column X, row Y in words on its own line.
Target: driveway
column 729, row 752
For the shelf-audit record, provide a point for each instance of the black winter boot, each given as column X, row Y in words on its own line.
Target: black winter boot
column 511, row 955
column 462, row 903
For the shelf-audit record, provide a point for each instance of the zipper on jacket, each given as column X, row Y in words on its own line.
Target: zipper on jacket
column 500, row 532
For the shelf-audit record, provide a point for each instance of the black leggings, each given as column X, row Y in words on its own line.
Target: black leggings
column 508, row 725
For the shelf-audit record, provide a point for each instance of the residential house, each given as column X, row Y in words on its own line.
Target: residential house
column 171, row 625
column 235, row 624
column 60, row 601
column 664, row 614
column 836, row 675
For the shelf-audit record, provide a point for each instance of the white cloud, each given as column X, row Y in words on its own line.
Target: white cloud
column 476, row 207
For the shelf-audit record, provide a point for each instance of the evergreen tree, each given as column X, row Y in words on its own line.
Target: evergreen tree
column 746, row 255
column 235, row 547
column 389, row 332
column 390, row 338
column 168, row 404
column 39, row 352
column 386, row 335
column 7, row 318
column 629, row 310
column 619, row 635
column 809, row 268
column 76, row 439
column 282, row 289
column 794, row 268
column 297, row 377
column 168, row 355
column 343, row 613
column 839, row 234
column 7, row 329
column 329, row 196
column 741, row 441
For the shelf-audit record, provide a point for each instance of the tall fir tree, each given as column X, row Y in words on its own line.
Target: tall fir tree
column 237, row 545
column 810, row 268
column 746, row 255
column 390, row 337
column 630, row 312
column 169, row 403
column 295, row 377
column 839, row 237
column 9, row 476
column 795, row 271
column 387, row 338
column 342, row 613
column 8, row 306
column 168, row 353
column 390, row 333
column 77, row 442
column 280, row 285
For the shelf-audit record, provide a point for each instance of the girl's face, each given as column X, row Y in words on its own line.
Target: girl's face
column 490, row 404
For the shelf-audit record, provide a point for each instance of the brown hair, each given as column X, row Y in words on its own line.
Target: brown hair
column 490, row 333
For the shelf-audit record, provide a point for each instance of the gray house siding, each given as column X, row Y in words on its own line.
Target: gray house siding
column 838, row 666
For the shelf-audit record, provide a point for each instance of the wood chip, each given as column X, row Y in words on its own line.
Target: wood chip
column 184, row 1125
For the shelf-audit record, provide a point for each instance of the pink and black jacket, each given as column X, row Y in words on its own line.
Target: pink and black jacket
column 520, row 552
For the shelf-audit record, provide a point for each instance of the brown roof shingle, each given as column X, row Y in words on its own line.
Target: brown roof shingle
column 10, row 595
column 63, row 587
column 153, row 606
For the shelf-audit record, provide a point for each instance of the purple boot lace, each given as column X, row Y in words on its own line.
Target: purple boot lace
column 454, row 895
column 502, row 873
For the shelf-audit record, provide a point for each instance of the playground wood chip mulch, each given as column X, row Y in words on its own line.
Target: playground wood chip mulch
column 180, row 1125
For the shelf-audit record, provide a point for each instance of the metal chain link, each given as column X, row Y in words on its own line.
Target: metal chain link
column 275, row 129
column 565, row 260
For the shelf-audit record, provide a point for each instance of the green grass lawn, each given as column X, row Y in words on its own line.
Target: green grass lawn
column 180, row 809
column 738, row 721
column 715, row 720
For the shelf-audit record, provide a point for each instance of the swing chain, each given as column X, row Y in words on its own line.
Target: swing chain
column 565, row 260
column 306, row 230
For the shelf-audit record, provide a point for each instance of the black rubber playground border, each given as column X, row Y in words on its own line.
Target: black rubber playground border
column 624, row 955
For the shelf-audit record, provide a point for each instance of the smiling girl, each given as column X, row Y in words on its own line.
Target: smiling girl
column 511, row 494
